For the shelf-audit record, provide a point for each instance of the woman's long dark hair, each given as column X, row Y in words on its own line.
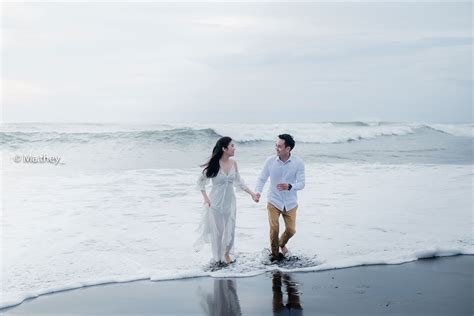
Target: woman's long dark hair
column 212, row 166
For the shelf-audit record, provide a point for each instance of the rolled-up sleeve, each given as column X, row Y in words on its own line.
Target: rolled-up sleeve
column 263, row 177
column 300, row 178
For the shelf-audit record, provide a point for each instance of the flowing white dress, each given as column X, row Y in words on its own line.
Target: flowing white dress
column 217, row 225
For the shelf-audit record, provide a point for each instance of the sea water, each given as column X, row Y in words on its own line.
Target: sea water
column 86, row 204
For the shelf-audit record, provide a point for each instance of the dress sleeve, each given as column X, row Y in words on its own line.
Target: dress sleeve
column 239, row 183
column 202, row 182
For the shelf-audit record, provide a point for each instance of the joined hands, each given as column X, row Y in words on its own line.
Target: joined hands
column 255, row 197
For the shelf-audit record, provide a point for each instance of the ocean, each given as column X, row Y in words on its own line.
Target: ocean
column 87, row 204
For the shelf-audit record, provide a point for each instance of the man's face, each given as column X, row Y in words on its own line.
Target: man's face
column 230, row 150
column 280, row 147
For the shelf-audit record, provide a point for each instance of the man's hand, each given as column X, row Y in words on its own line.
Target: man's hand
column 207, row 201
column 256, row 197
column 282, row 186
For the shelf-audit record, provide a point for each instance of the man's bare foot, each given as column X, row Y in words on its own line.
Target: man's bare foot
column 278, row 257
column 284, row 250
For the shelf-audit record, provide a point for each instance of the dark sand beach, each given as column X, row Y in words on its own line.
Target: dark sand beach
column 438, row 286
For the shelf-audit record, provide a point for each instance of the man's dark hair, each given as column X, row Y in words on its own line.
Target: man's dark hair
column 289, row 141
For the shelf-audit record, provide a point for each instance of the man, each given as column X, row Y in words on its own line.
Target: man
column 286, row 172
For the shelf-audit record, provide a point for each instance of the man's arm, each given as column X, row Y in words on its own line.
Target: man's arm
column 300, row 179
column 262, row 179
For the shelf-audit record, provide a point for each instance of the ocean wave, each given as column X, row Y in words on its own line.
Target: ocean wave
column 319, row 133
column 460, row 130
column 355, row 123
column 336, row 132
column 177, row 135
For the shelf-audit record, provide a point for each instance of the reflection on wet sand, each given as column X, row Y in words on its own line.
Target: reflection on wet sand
column 293, row 305
column 224, row 299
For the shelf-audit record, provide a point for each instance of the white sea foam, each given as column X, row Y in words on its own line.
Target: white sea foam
column 69, row 230
column 313, row 133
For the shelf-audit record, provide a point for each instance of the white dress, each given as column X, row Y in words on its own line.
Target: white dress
column 217, row 225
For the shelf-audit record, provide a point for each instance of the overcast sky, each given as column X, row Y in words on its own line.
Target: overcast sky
column 211, row 62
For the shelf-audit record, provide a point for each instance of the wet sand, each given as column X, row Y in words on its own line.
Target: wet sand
column 438, row 286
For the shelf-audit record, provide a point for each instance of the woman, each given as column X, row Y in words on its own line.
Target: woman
column 218, row 220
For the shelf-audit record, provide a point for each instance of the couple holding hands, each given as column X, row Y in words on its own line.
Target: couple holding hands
column 286, row 173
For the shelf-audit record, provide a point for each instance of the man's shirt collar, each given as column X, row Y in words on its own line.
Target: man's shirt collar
column 278, row 159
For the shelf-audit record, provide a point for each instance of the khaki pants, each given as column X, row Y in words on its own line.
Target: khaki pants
column 274, row 219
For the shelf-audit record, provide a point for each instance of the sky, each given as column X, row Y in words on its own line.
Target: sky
column 237, row 62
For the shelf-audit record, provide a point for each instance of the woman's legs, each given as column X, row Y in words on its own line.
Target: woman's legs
column 223, row 236
column 217, row 232
column 229, row 228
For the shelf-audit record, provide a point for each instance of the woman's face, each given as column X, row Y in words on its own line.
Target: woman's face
column 230, row 150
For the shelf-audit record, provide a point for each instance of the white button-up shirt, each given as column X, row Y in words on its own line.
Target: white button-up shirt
column 290, row 171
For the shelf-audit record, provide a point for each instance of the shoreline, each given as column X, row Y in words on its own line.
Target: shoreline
column 439, row 285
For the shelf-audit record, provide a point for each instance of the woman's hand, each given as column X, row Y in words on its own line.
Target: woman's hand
column 255, row 197
column 207, row 201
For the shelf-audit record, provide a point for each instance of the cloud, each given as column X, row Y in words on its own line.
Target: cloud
column 147, row 59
